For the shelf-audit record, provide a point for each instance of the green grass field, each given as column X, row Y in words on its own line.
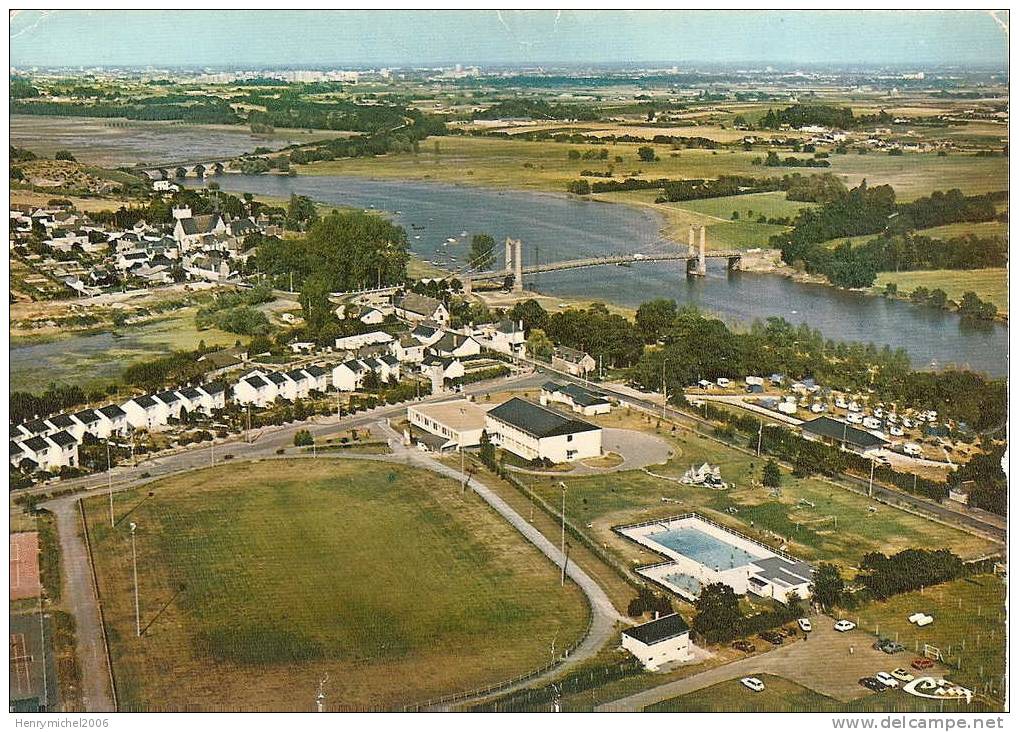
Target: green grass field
column 750, row 206
column 988, row 284
column 260, row 579
column 781, row 695
column 607, row 500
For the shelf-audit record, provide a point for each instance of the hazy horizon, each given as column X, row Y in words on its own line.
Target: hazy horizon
column 573, row 38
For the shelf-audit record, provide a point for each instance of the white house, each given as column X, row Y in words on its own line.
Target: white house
column 319, row 377
column 255, row 389
column 442, row 370
column 426, row 334
column 90, row 422
column 349, row 375
column 454, row 345
column 191, row 399
column 112, row 421
column 145, row 413
column 386, row 366
column 189, row 232
column 576, row 397
column 50, row 453
column 408, row 349
column 506, row 336
column 280, row 381
column 298, row 385
column 415, row 308
column 213, row 396
column 660, row 641
column 458, row 423
column 174, row 404
column 354, row 342
column 536, row 433
column 572, row 361
column 65, row 422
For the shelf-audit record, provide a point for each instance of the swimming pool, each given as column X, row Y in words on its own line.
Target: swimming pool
column 703, row 548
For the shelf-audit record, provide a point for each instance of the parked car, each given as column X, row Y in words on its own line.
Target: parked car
column 745, row 646
column 922, row 664
column 888, row 646
column 902, row 675
column 753, row 683
column 844, row 626
column 886, row 678
column 772, row 637
column 873, row 684
column 804, row 624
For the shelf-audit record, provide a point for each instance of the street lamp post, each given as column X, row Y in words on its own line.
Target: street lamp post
column 109, row 474
column 562, row 540
column 134, row 563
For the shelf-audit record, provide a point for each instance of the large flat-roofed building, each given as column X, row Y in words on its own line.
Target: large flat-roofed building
column 459, row 422
column 661, row 641
column 843, row 434
column 536, row 433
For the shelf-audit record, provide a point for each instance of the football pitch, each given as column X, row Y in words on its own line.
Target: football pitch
column 260, row 580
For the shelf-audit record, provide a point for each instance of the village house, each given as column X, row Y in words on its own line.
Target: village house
column 572, row 361
column 415, row 308
column 112, row 421
column 408, row 349
column 319, row 378
column 350, row 375
column 506, row 336
column 536, row 433
column 255, row 389
column 660, row 641
column 354, row 342
column 145, row 413
column 189, row 232
column 454, row 345
column 576, row 397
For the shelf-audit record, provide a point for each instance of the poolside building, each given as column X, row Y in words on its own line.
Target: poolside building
column 536, row 433
column 661, row 641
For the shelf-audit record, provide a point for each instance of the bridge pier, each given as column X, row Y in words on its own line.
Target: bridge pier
column 734, row 263
column 699, row 266
column 509, row 256
column 467, row 285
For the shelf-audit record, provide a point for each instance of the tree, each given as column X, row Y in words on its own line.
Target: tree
column 646, row 154
column 772, row 476
column 828, row 585
column 482, row 251
column 579, row 187
column 303, row 438
column 654, row 316
column 64, row 155
column 539, row 345
column 487, row 451
column 301, row 211
column 718, row 617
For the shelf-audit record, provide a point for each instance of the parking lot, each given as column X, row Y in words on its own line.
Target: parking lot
column 828, row 662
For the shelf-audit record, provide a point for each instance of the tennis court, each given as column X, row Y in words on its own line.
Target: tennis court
column 33, row 680
column 25, row 565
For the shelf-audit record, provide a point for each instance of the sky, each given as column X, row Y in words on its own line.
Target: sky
column 264, row 39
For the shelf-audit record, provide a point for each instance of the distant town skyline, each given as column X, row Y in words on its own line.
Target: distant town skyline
column 266, row 39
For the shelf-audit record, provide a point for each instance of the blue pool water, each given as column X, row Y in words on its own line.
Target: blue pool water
column 703, row 548
column 684, row 582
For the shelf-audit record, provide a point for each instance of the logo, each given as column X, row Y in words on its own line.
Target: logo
column 931, row 688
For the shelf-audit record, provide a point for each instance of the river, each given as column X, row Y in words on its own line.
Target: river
column 554, row 227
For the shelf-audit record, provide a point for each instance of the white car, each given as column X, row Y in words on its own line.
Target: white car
column 896, row 431
column 817, row 408
column 911, row 448
column 854, row 418
column 853, row 407
column 902, row 675
column 844, row 626
column 841, row 403
column 887, row 679
column 804, row 624
column 753, row 683
column 872, row 423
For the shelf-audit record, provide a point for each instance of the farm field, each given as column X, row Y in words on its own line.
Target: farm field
column 800, row 517
column 989, row 284
column 545, row 165
column 781, row 695
column 385, row 578
column 91, row 358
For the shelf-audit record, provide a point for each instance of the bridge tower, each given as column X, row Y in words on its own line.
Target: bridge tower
column 691, row 243
column 698, row 266
column 518, row 267
column 509, row 256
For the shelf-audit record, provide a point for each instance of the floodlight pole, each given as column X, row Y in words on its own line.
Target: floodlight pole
column 760, row 433
column 109, row 474
column 134, row 562
column 870, row 486
column 562, row 540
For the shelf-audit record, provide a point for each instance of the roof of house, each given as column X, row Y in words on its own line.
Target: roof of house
column 316, row 371
column 580, row 396
column 221, row 359
column 538, row 421
column 145, row 401
column 570, row 354
column 16, row 449
column 418, row 304
column 297, row 375
column 190, row 393
column 112, row 411
column 240, row 227
column 87, row 416
column 838, row 430
column 356, row 366
column 204, row 224
column 61, row 421
column 168, row 397
column 35, row 444
column 256, row 381
column 784, row 571
column 36, row 426
column 276, row 377
column 450, row 342
column 63, row 438
column 658, row 630
column 214, row 387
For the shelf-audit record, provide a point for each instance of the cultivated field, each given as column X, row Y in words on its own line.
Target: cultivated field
column 259, row 580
